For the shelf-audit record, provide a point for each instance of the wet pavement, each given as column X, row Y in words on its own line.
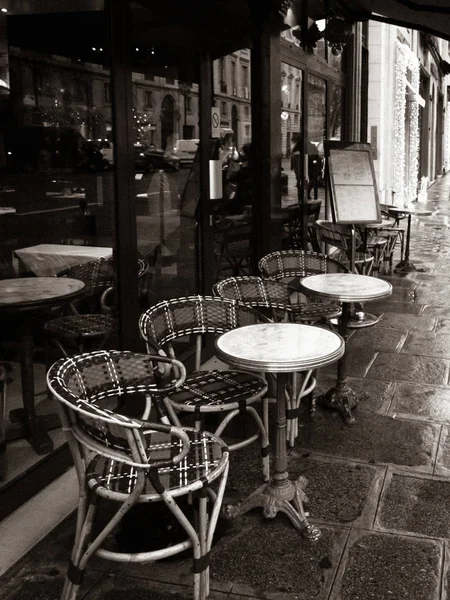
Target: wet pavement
column 378, row 489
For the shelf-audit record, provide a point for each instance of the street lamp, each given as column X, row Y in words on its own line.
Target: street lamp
column 185, row 90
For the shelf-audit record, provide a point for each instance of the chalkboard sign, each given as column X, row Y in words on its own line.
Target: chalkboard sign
column 354, row 192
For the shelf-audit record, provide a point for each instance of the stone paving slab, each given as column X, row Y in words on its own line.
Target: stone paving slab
column 271, row 559
column 426, row 343
column 425, row 402
column 358, row 363
column 119, row 587
column 375, row 395
column 442, row 466
column 380, row 567
column 417, row 505
column 406, row 308
column 443, row 326
column 339, row 492
column 381, row 339
column 436, row 311
column 434, row 298
column 406, row 367
column 403, row 322
column 373, row 438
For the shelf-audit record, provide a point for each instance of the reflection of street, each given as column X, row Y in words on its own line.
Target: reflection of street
column 291, row 198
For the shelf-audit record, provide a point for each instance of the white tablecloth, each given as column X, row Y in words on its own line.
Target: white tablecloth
column 46, row 260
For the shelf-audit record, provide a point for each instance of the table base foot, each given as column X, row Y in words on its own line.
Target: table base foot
column 287, row 497
column 405, row 266
column 362, row 319
column 34, row 429
column 342, row 399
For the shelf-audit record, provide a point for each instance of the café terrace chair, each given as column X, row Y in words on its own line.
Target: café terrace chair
column 277, row 301
column 291, row 266
column 92, row 321
column 232, row 246
column 339, row 238
column 292, row 233
column 231, row 393
column 130, row 461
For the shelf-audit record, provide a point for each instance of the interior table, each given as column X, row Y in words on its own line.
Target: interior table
column 45, row 260
column 405, row 265
column 280, row 348
column 346, row 288
column 27, row 297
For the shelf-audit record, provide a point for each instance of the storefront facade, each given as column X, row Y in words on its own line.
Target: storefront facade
column 94, row 120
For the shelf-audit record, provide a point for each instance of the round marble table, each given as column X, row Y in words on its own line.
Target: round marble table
column 346, row 288
column 405, row 265
column 280, row 348
column 28, row 296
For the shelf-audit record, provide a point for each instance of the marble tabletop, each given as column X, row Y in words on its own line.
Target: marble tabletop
column 32, row 292
column 347, row 287
column 410, row 211
column 279, row 347
column 49, row 259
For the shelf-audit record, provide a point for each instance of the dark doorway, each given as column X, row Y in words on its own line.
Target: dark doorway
column 167, row 119
column 235, row 124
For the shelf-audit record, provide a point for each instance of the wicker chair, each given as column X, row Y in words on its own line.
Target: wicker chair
column 92, row 322
column 217, row 391
column 232, row 247
column 290, row 266
column 279, row 300
column 338, row 236
column 129, row 461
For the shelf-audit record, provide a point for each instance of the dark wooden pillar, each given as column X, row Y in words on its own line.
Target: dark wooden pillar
column 266, row 127
column 205, row 233
column 124, row 196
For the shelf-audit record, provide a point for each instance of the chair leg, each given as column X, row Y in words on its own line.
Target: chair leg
column 85, row 520
column 262, row 433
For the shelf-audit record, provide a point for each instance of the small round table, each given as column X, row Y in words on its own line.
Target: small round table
column 346, row 288
column 405, row 265
column 280, row 348
column 28, row 296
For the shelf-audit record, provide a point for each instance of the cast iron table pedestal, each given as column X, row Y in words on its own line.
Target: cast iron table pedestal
column 280, row 348
column 346, row 288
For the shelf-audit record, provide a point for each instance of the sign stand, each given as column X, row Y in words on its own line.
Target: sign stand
column 354, row 200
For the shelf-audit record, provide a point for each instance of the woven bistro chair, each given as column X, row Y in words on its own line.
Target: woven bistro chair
column 92, row 322
column 278, row 301
column 338, row 237
column 291, row 266
column 130, row 461
column 216, row 391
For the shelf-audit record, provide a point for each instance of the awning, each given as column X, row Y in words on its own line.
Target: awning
column 430, row 16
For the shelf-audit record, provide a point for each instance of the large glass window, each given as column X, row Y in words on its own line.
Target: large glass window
column 56, row 189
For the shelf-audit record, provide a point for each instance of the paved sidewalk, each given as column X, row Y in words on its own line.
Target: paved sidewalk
column 379, row 489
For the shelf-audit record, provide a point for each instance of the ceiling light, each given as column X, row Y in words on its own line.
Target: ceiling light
column 4, row 10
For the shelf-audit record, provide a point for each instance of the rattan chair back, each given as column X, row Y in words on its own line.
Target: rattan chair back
column 285, row 265
column 254, row 291
column 172, row 319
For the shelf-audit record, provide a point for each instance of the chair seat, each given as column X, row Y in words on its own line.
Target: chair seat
column 317, row 311
column 77, row 326
column 212, row 391
column 200, row 466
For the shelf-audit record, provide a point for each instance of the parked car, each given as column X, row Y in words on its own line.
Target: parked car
column 152, row 159
column 182, row 153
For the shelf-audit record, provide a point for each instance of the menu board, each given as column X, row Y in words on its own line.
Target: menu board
column 354, row 192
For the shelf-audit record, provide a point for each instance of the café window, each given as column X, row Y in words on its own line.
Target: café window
column 148, row 99
column 107, row 92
